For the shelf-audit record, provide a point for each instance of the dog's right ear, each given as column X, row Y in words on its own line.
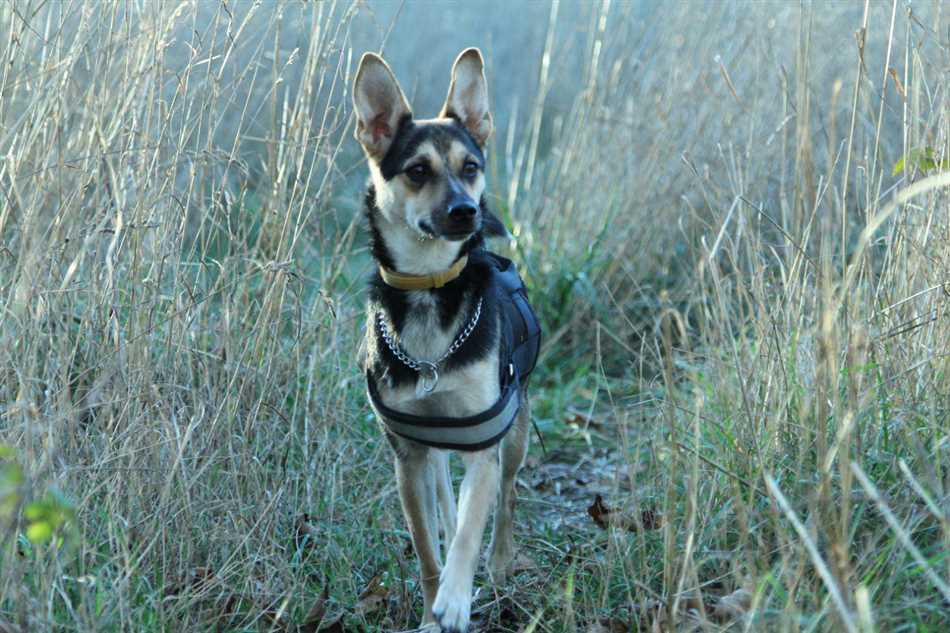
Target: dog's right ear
column 467, row 100
column 379, row 104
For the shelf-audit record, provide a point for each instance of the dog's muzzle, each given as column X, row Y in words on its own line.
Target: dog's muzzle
column 461, row 218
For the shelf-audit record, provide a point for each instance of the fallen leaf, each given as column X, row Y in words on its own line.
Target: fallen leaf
column 651, row 520
column 599, row 512
column 897, row 83
column 198, row 578
column 733, row 606
column 522, row 563
column 507, row 615
column 314, row 618
column 230, row 606
column 648, row 614
column 334, row 626
column 372, row 597
column 606, row 517
column 305, row 533
column 610, row 625
column 582, row 420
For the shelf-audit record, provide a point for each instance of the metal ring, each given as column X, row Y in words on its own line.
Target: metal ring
column 428, row 370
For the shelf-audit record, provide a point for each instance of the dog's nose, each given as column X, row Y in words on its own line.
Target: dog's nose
column 462, row 211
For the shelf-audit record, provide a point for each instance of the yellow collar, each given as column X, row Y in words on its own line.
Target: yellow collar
column 402, row 281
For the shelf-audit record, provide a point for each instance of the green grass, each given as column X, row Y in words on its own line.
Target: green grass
column 734, row 230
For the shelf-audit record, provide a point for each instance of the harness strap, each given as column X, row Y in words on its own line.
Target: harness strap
column 470, row 433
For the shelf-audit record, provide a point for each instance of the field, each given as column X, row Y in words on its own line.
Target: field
column 732, row 218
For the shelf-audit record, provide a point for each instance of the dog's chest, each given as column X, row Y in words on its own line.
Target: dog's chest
column 459, row 392
column 423, row 336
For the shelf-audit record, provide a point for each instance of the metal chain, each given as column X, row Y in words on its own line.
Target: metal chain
column 415, row 365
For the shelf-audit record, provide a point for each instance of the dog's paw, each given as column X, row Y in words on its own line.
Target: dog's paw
column 504, row 564
column 453, row 605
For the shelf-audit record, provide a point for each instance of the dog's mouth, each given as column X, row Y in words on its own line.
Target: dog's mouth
column 457, row 236
column 455, row 232
column 426, row 230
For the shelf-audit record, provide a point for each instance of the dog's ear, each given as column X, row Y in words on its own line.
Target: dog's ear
column 492, row 226
column 379, row 104
column 467, row 100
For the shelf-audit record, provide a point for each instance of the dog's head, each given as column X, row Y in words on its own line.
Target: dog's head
column 430, row 173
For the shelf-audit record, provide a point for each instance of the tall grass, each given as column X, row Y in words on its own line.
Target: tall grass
column 744, row 304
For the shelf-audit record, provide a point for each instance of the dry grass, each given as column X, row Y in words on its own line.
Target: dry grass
column 746, row 316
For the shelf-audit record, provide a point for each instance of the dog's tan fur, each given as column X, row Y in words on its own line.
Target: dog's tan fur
column 422, row 474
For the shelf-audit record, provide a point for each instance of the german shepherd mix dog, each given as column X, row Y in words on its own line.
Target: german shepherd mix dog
column 450, row 338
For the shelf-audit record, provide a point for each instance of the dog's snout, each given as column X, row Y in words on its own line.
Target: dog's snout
column 460, row 218
column 462, row 211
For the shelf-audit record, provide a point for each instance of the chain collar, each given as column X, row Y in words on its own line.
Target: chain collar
column 428, row 371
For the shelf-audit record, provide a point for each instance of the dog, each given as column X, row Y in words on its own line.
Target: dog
column 450, row 336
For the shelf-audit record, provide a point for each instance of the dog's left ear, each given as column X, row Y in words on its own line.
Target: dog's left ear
column 379, row 104
column 467, row 100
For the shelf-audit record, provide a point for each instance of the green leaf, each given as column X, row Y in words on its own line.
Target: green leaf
column 924, row 159
column 10, row 476
column 45, row 516
column 8, row 504
column 40, row 511
column 39, row 532
column 898, row 167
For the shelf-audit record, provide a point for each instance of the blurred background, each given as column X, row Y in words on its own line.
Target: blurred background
column 732, row 220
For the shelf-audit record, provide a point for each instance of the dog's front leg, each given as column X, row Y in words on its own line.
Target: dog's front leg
column 453, row 604
column 446, row 497
column 416, row 492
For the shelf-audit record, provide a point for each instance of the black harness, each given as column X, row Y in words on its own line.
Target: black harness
column 518, row 354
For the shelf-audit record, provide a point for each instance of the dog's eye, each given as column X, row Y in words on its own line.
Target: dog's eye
column 469, row 169
column 418, row 173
